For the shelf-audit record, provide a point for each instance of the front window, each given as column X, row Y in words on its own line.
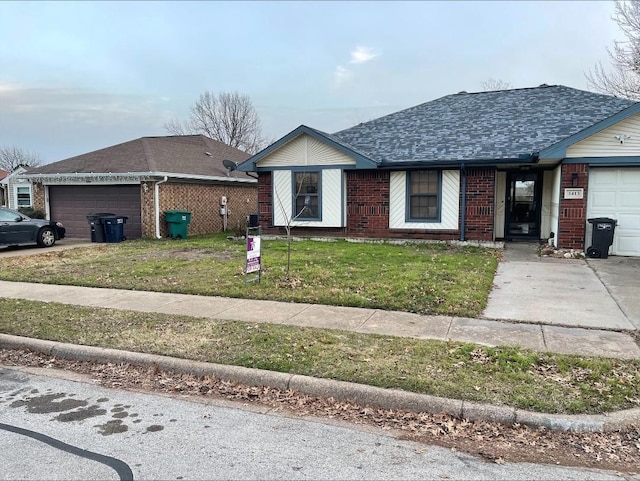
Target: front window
column 23, row 196
column 307, row 196
column 424, row 193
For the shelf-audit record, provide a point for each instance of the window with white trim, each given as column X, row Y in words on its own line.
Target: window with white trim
column 423, row 189
column 23, row 196
column 306, row 197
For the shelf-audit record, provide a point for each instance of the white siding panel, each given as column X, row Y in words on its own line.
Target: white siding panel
column 319, row 153
column 282, row 192
column 332, row 199
column 615, row 193
column 450, row 203
column 554, row 220
column 605, row 144
column 501, row 194
column 545, row 214
column 303, row 151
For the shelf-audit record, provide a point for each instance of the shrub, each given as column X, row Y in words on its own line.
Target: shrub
column 31, row 212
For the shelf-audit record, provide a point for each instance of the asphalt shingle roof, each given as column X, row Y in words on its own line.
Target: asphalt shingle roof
column 182, row 154
column 494, row 125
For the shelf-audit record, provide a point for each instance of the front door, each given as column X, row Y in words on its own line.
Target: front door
column 523, row 205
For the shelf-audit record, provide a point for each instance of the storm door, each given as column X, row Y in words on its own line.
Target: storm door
column 524, row 195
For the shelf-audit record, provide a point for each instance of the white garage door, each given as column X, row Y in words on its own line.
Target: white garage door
column 615, row 193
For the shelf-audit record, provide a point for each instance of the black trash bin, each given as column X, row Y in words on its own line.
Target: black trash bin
column 601, row 236
column 114, row 228
column 97, row 227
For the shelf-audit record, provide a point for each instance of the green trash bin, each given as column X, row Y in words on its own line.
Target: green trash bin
column 177, row 222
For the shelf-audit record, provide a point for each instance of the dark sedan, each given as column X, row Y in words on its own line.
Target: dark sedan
column 17, row 228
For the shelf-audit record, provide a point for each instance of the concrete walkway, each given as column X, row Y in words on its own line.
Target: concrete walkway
column 587, row 342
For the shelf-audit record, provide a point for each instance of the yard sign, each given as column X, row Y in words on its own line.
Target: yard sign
column 253, row 256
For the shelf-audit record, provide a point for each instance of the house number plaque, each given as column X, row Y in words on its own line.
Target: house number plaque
column 574, row 193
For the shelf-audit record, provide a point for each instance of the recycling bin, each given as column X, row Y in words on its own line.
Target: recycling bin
column 114, row 228
column 602, row 232
column 252, row 220
column 177, row 223
column 97, row 227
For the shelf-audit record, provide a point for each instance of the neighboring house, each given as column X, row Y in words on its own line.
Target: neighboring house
column 3, row 195
column 16, row 189
column 531, row 163
column 141, row 179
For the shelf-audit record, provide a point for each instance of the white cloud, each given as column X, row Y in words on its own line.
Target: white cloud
column 362, row 55
column 341, row 75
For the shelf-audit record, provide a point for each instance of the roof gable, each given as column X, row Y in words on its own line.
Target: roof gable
column 361, row 160
column 559, row 150
column 193, row 155
column 499, row 125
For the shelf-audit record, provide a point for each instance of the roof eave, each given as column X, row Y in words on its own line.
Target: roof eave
column 133, row 176
column 528, row 159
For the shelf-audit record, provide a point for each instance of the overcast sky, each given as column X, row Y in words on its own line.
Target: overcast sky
column 80, row 76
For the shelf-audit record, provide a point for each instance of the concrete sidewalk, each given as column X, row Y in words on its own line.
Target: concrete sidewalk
column 560, row 339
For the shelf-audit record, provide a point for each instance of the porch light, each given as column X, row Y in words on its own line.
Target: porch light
column 574, row 179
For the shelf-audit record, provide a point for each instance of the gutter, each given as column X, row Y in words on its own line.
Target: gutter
column 156, row 198
column 132, row 177
column 463, row 216
column 455, row 164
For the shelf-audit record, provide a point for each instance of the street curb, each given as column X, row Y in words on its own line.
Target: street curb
column 339, row 390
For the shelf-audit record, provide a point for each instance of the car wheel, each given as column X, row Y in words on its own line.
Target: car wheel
column 46, row 237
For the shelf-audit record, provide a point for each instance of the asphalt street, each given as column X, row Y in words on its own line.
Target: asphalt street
column 56, row 425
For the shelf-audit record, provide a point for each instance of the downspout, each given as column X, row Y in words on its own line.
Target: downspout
column 157, row 204
column 464, row 201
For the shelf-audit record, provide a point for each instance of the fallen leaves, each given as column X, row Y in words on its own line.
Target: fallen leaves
column 619, row 450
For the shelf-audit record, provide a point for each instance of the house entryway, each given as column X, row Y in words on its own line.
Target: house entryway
column 523, row 202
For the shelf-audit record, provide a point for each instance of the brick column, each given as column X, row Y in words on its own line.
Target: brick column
column 572, row 216
column 265, row 200
column 37, row 197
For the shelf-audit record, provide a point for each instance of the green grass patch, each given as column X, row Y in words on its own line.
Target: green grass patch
column 502, row 375
column 428, row 278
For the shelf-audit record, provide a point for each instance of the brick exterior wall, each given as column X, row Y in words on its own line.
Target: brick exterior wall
column 265, row 201
column 368, row 208
column 573, row 212
column 368, row 203
column 37, row 197
column 203, row 201
column 481, row 184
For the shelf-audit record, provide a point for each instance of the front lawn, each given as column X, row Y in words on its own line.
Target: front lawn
column 425, row 278
column 510, row 376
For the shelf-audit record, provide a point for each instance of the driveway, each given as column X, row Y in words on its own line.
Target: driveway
column 597, row 293
column 621, row 277
column 60, row 245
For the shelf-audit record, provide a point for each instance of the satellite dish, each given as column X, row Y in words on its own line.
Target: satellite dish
column 230, row 165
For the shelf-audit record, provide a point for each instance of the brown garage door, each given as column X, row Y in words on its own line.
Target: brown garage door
column 70, row 205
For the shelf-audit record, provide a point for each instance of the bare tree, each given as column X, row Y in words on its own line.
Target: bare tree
column 495, row 84
column 624, row 79
column 289, row 219
column 12, row 157
column 227, row 117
